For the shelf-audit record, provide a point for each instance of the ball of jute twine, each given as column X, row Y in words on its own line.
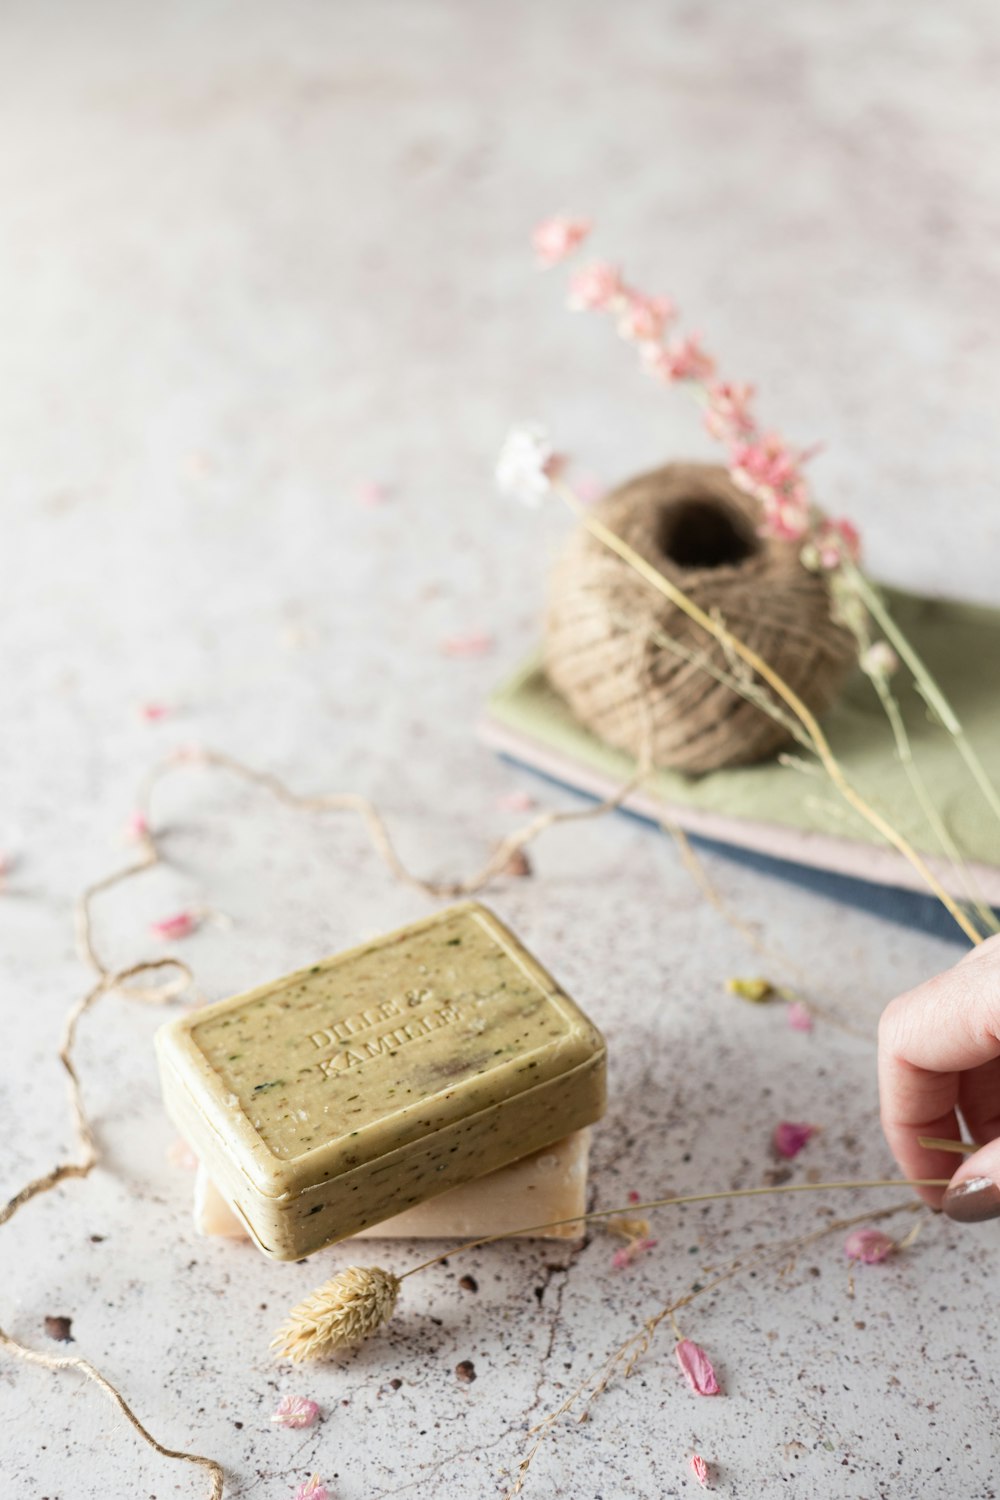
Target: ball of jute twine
column 647, row 679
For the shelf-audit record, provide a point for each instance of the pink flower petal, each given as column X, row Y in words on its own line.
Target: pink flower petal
column 372, row 492
column 179, row 1154
column 553, row 239
column 312, row 1489
column 870, row 1246
column 789, row 1138
column 595, row 287
column 643, row 318
column 516, row 801
column 628, row 1254
column 799, row 1018
column 295, row 1411
column 137, row 828
column 699, row 1468
column 475, row 643
column 180, row 925
column 697, row 1367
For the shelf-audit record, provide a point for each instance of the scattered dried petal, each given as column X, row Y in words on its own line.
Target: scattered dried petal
column 372, row 492
column 295, row 1411
column 59, row 1328
column 518, row 866
column 757, row 991
column 179, row 1154
column 137, row 827
column 628, row 1254
column 475, row 643
column 789, row 1137
column 699, row 1468
column 152, row 713
column 799, row 1018
column 312, row 1489
column 344, row 1310
column 697, row 1367
column 516, row 801
column 869, row 1246
column 629, row 1229
column 180, row 925
column 633, row 1196
column 556, row 238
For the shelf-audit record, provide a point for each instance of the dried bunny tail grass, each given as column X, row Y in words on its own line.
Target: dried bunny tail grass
column 348, row 1308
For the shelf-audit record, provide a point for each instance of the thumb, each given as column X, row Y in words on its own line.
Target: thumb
column 974, row 1192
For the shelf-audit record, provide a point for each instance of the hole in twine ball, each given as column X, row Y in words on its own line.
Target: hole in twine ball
column 704, row 534
column 638, row 673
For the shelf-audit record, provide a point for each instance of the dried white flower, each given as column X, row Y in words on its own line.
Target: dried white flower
column 879, row 660
column 527, row 464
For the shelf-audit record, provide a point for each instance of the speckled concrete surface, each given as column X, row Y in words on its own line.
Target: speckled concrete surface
column 253, row 257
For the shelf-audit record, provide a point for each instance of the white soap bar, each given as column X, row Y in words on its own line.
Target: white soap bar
column 542, row 1188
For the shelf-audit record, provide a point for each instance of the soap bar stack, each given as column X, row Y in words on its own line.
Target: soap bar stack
column 548, row 1188
column 361, row 1088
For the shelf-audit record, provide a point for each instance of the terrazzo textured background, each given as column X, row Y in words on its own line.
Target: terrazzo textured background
column 254, row 257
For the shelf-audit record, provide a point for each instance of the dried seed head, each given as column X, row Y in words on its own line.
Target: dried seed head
column 344, row 1310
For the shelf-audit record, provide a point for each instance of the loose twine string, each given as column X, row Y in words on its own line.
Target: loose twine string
column 121, row 979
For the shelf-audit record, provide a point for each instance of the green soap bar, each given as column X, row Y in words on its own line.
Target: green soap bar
column 340, row 1095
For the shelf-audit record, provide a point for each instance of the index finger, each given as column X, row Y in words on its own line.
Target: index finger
column 927, row 1039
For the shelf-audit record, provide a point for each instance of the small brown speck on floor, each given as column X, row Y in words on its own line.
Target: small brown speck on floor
column 466, row 1370
column 395, row 1383
column 469, row 1284
column 59, row 1328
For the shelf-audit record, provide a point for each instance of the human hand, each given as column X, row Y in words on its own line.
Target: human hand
column 938, row 1059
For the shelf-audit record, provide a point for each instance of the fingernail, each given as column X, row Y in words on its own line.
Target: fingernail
column 974, row 1199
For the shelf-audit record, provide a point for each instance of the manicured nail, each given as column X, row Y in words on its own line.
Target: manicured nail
column 972, row 1200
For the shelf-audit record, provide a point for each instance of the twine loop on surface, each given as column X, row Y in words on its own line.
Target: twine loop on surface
column 640, row 674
